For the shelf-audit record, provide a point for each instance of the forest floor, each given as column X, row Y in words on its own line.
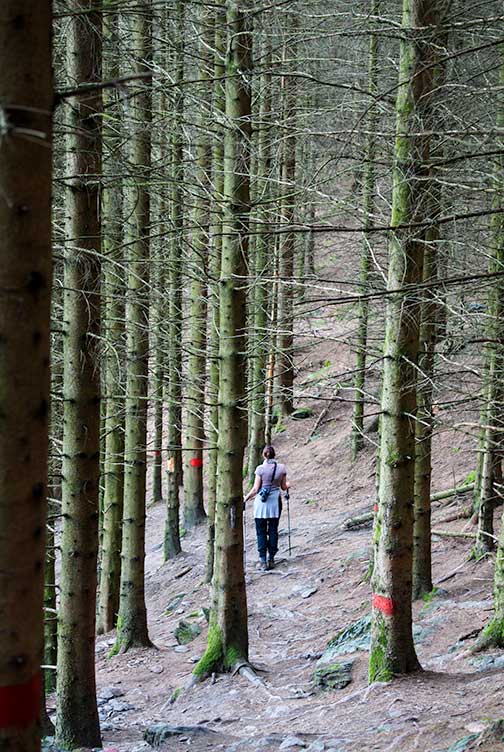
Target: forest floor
column 306, row 600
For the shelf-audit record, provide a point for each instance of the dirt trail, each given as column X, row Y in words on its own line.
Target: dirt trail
column 297, row 608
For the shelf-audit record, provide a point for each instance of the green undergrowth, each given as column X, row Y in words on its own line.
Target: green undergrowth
column 428, row 597
column 470, row 478
column 175, row 695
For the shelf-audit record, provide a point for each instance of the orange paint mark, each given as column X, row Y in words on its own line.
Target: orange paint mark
column 383, row 604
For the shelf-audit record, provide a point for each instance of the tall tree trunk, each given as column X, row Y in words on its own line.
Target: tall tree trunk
column 494, row 368
column 422, row 558
column 368, row 201
column 219, row 107
column 429, row 323
column 493, row 634
column 77, row 723
column 132, row 619
column 174, row 462
column 270, row 373
column 26, row 90
column 392, row 647
column 160, row 211
column 285, row 337
column 194, row 511
column 113, row 328
column 228, row 631
column 263, row 274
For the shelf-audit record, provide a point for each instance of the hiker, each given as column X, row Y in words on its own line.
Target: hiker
column 270, row 478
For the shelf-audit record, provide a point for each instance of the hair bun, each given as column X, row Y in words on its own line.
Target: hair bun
column 269, row 452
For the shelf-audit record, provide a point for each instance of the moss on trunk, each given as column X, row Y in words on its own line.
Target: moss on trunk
column 228, row 633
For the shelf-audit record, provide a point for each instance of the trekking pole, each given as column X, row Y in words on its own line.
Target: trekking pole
column 287, row 497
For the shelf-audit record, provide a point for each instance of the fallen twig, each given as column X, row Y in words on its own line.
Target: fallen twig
column 182, row 573
column 453, row 534
column 317, row 423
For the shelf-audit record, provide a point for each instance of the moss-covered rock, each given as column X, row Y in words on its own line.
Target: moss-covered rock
column 349, row 640
column 186, row 632
column 159, row 733
column 334, row 675
column 174, row 603
column 301, row 413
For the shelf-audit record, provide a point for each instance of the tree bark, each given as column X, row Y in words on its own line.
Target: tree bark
column 172, row 545
column 368, row 202
column 77, row 722
column 392, row 646
column 429, row 322
column 113, row 329
column 228, row 632
column 219, row 107
column 194, row 511
column 494, row 367
column 263, row 269
column 285, row 337
column 26, row 90
column 132, row 620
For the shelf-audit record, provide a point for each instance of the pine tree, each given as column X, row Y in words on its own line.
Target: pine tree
column 26, row 94
column 392, row 647
column 172, row 545
column 77, row 722
column 113, row 331
column 194, row 511
column 219, row 107
column 228, row 631
column 492, row 431
column 132, row 620
column 263, row 268
column 429, row 325
column 368, row 201
column 285, row 337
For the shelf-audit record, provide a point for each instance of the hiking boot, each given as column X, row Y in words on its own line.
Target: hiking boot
column 271, row 562
column 261, row 565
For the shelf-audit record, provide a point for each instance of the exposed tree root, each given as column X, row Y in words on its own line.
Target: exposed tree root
column 243, row 668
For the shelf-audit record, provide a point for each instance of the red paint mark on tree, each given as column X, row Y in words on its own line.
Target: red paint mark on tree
column 157, row 453
column 20, row 704
column 383, row 604
column 375, row 508
column 196, row 462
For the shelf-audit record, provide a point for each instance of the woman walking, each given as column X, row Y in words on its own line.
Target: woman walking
column 270, row 478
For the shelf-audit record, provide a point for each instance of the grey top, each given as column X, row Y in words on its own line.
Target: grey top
column 265, row 472
column 271, row 507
